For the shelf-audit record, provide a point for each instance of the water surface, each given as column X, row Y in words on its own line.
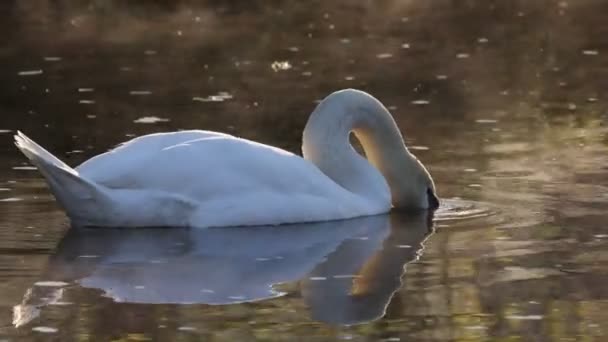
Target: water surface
column 503, row 101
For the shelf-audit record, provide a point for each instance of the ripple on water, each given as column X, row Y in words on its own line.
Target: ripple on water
column 455, row 209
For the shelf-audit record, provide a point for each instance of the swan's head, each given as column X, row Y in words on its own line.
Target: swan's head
column 413, row 188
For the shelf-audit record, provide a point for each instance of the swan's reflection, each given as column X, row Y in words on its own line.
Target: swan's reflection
column 348, row 269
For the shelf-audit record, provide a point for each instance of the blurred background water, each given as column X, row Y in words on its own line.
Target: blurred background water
column 504, row 101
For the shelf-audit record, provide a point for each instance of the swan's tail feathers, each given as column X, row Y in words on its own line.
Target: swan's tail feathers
column 77, row 195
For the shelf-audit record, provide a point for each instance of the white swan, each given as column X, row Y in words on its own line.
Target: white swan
column 210, row 179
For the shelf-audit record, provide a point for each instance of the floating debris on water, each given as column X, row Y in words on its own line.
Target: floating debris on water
column 150, row 120
column 591, row 52
column 11, row 199
column 186, row 328
column 345, row 276
column 441, row 77
column 349, row 78
column 88, row 256
column 45, row 330
column 280, row 66
column 462, row 55
column 5, row 189
column 405, row 46
column 30, row 72
column 52, row 59
column 482, row 40
column 150, row 52
column 403, row 246
column 26, row 168
column 207, row 291
column 50, row 283
column 140, row 92
column 317, row 278
column 419, row 148
column 220, row 97
column 86, row 101
column 85, row 90
column 525, row 317
column 384, row 55
column 486, row 121
column 421, row 102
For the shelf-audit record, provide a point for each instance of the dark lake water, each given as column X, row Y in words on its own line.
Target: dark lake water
column 504, row 101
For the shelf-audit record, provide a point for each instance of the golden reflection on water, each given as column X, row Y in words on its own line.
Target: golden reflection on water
column 504, row 101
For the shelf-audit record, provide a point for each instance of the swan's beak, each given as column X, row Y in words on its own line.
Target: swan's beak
column 433, row 200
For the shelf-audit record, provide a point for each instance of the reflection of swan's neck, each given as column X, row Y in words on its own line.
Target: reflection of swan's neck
column 326, row 143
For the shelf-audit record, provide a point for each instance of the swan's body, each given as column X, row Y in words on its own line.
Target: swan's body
column 209, row 179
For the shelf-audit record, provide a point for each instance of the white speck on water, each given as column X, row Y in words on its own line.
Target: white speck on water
column 345, row 41
column 470, row 170
column 441, row 77
column 5, row 131
column 45, row 330
column 25, row 168
column 86, row 101
column 85, row 90
column 317, row 278
column 186, row 328
column 262, row 259
column 149, row 52
column 349, row 78
column 345, row 276
column 220, row 97
column 474, row 185
column 11, row 199
column 237, row 297
column 126, row 68
column 405, row 46
column 482, row 40
column 50, row 283
column 280, row 66
column 421, row 102
column 307, row 73
column 30, row 72
column 5, row 189
column 91, row 116
column 462, row 55
column 88, row 256
column 140, row 92
column 405, row 19
column 52, row 59
column 139, row 287
column 61, row 303
column 150, row 120
column 403, row 246
column 590, row 99
column 419, row 148
column 207, row 291
column 486, row 121
column 591, row 52
column 293, row 48
column 601, row 236
column 524, row 317
column 384, row 55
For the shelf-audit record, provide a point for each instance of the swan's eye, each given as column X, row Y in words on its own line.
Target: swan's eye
column 432, row 199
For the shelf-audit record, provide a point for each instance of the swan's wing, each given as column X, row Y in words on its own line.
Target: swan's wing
column 108, row 168
column 210, row 167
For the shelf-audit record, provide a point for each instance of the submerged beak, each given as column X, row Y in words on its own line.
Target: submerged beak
column 433, row 200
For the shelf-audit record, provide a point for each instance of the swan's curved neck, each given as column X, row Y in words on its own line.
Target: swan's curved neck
column 326, row 143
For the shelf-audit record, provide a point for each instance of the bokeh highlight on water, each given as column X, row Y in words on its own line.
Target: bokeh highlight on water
column 504, row 101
